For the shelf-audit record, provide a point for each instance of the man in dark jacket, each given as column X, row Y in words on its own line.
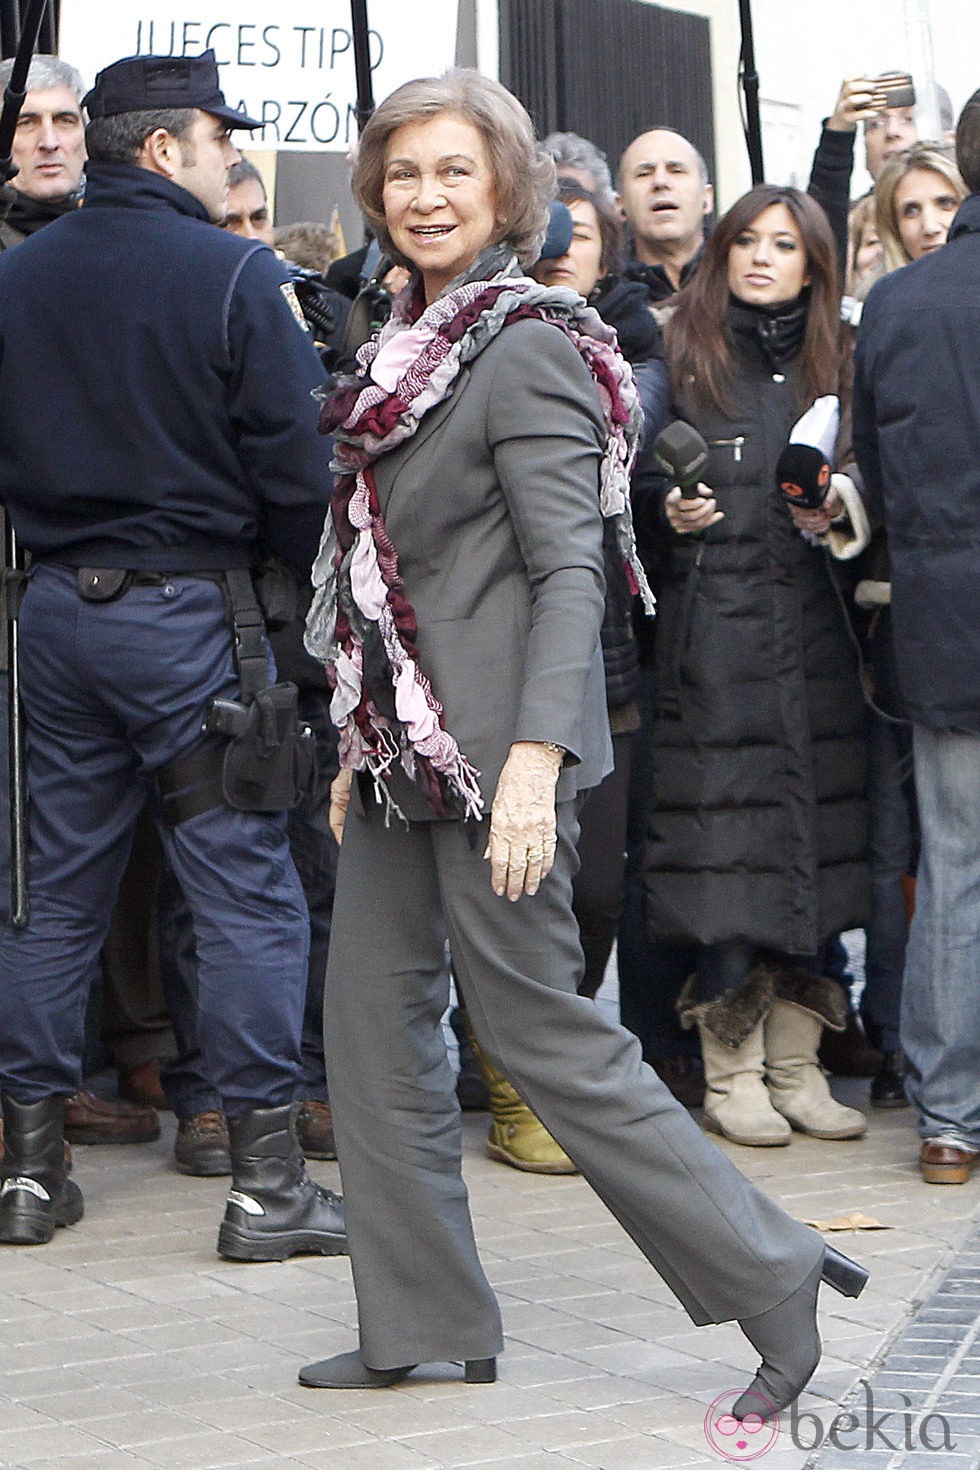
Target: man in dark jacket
column 48, row 152
column 666, row 198
column 146, row 454
column 917, row 436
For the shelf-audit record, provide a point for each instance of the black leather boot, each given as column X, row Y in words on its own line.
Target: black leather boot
column 274, row 1208
column 36, row 1195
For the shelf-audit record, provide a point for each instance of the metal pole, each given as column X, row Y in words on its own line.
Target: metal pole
column 362, row 62
column 13, row 101
column 16, row 89
column 13, row 581
column 918, row 31
column 750, row 88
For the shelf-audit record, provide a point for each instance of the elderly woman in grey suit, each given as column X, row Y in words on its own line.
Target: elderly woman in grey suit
column 459, row 599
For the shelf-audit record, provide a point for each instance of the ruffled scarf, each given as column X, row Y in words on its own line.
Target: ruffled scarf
column 361, row 617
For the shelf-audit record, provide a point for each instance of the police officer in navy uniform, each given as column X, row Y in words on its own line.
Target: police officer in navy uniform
column 156, row 432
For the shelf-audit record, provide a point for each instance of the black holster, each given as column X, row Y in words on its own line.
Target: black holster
column 269, row 763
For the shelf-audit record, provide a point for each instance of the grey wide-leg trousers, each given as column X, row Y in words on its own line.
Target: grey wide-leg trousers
column 724, row 1248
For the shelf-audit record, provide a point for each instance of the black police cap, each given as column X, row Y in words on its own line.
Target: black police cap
column 152, row 83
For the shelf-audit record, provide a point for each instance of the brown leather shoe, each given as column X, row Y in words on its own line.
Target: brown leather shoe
column 945, row 1163
column 141, row 1085
column 202, row 1146
column 314, row 1129
column 90, row 1119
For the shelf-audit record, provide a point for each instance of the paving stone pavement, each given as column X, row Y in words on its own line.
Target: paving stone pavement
column 127, row 1343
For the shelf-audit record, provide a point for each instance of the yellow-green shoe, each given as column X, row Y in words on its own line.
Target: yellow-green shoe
column 525, row 1143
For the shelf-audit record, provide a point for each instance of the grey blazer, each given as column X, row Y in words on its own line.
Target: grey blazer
column 494, row 508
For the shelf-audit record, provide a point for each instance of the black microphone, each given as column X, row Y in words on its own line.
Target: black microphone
column 682, row 454
column 803, row 476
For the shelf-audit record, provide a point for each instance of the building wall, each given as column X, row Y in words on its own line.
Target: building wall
column 804, row 51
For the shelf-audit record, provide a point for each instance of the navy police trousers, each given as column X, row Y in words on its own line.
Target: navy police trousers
column 113, row 693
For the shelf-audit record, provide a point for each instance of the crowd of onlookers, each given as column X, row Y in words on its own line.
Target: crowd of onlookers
column 776, row 649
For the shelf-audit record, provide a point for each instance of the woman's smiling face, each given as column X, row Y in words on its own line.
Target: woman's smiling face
column 440, row 197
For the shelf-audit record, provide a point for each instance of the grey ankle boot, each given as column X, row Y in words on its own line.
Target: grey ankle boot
column 274, row 1209
column 36, row 1195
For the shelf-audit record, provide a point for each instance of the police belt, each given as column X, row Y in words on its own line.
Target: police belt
column 269, row 762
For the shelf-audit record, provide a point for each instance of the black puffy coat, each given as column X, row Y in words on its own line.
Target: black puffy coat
column 758, row 824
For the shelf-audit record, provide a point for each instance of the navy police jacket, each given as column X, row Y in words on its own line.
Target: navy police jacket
column 155, row 408
column 917, row 439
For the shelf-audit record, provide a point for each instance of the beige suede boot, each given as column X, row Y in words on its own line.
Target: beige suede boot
column 516, row 1136
column 736, row 1102
column 797, row 1085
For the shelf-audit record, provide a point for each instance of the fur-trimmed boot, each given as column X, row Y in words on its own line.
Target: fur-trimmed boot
column 36, row 1195
column 797, row 1084
column 516, row 1135
column 275, row 1209
column 736, row 1102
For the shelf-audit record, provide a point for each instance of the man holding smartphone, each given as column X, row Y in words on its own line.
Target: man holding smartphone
column 891, row 127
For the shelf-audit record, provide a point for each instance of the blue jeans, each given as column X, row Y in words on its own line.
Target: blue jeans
column 113, row 693
column 941, row 993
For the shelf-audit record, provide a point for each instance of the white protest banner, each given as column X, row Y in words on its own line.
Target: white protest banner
column 290, row 64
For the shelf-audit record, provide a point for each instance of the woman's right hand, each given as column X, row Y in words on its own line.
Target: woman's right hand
column 339, row 801
column 694, row 514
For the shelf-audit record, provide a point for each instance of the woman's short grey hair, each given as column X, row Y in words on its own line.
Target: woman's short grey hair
column 571, row 150
column 523, row 174
column 47, row 71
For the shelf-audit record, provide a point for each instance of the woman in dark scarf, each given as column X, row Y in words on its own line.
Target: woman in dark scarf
column 484, row 439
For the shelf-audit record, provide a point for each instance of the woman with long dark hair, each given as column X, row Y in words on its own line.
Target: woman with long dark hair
column 757, row 836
